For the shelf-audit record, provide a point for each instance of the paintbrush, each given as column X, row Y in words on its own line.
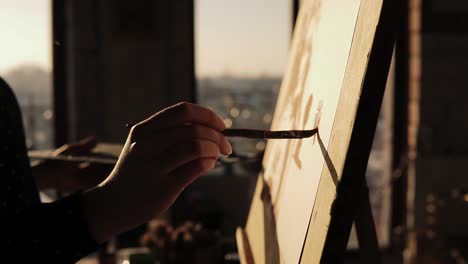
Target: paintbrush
column 77, row 159
column 265, row 134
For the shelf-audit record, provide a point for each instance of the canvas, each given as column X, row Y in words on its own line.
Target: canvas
column 308, row 99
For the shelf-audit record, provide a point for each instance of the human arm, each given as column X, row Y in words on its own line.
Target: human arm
column 137, row 189
column 161, row 157
column 32, row 231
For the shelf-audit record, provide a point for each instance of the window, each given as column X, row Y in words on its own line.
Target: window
column 241, row 53
column 26, row 65
column 379, row 169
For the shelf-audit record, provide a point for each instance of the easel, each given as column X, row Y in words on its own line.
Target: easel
column 337, row 239
column 342, row 197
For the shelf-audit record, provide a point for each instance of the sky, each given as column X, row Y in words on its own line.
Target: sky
column 26, row 33
column 242, row 37
column 233, row 37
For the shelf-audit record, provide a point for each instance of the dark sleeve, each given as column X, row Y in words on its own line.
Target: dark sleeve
column 50, row 233
column 46, row 233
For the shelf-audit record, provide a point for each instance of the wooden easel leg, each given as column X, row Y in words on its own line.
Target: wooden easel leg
column 366, row 233
column 351, row 205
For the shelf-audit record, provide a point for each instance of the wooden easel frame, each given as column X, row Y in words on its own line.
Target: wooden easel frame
column 350, row 202
column 347, row 206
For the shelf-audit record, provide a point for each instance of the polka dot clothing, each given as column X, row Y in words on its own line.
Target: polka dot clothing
column 29, row 230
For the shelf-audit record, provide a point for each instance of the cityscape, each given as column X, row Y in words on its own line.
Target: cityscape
column 32, row 85
column 242, row 103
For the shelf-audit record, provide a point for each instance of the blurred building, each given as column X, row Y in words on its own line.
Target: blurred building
column 32, row 85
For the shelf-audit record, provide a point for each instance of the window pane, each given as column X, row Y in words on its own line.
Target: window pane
column 241, row 53
column 379, row 169
column 26, row 64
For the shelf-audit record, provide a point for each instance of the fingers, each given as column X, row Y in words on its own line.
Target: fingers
column 189, row 172
column 181, row 114
column 172, row 136
column 80, row 148
column 179, row 155
column 87, row 143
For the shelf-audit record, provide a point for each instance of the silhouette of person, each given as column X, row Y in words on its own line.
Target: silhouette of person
column 162, row 155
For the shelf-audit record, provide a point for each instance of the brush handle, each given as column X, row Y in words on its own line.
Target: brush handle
column 266, row 134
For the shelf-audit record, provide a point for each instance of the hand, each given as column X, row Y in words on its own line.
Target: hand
column 161, row 157
column 69, row 176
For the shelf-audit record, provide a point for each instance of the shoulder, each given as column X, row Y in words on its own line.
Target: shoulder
column 7, row 97
column 8, row 102
column 6, row 94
